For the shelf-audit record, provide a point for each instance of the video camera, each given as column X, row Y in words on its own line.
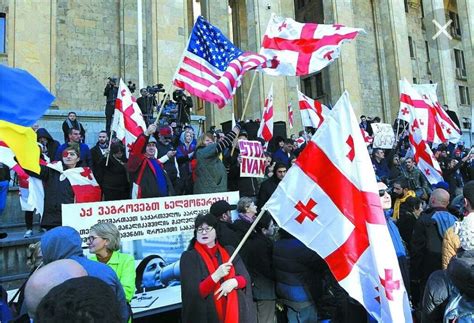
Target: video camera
column 152, row 90
column 112, row 80
column 131, row 86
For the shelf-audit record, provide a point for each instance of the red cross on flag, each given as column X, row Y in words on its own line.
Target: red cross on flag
column 290, row 115
column 302, row 49
column 128, row 121
column 312, row 111
column 266, row 124
column 329, row 200
column 419, row 102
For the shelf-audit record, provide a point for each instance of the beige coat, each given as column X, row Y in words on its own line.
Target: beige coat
column 451, row 244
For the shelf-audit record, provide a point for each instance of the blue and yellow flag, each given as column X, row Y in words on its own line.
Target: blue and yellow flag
column 23, row 100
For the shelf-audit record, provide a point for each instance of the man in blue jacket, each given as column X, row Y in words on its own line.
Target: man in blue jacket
column 75, row 136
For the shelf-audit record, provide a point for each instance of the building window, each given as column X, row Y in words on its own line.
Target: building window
column 313, row 86
column 411, row 44
column 405, row 2
column 415, row 81
column 422, row 10
column 3, row 32
column 300, row 4
column 464, row 97
column 460, row 64
column 455, row 26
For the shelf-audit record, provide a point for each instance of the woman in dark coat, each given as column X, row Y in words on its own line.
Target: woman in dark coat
column 113, row 177
column 212, row 288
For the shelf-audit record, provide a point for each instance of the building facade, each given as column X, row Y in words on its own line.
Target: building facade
column 73, row 46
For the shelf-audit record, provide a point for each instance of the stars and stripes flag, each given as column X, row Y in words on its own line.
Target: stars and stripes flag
column 339, row 215
column 212, row 67
column 290, row 115
column 265, row 130
column 312, row 111
column 419, row 102
column 128, row 121
column 302, row 49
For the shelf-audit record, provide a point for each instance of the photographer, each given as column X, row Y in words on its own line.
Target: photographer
column 146, row 102
column 184, row 104
column 110, row 91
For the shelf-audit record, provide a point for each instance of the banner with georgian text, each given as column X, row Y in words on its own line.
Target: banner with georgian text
column 156, row 231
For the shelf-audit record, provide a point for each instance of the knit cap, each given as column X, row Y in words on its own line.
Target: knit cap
column 466, row 233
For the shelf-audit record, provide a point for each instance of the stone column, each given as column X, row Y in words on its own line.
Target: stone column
column 466, row 16
column 394, row 53
column 442, row 54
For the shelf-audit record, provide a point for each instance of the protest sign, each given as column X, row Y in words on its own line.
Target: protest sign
column 383, row 135
column 252, row 159
column 156, row 231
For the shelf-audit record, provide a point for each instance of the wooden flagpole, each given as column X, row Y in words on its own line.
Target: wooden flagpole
column 254, row 223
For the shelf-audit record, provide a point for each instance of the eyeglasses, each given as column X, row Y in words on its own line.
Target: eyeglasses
column 91, row 238
column 204, row 230
column 382, row 192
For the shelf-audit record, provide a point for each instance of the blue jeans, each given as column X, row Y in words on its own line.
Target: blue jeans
column 308, row 314
column 3, row 195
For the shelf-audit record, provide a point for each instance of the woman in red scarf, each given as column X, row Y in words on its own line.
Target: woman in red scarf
column 212, row 288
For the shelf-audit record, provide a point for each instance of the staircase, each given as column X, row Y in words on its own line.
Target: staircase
column 13, row 255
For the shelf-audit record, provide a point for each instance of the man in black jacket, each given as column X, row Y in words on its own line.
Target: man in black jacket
column 226, row 231
column 110, row 91
column 269, row 185
column 99, row 151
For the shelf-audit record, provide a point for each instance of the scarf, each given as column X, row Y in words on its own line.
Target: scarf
column 398, row 202
column 76, row 124
column 160, row 177
column 246, row 218
column 227, row 307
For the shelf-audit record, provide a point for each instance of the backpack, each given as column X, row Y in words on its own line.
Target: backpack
column 460, row 309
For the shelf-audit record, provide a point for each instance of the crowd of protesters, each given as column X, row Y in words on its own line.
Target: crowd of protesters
column 275, row 277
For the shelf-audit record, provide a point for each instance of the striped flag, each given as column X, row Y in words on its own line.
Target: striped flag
column 211, row 67
column 290, row 115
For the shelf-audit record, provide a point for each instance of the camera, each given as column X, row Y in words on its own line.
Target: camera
column 184, row 104
column 112, row 80
column 131, row 86
column 155, row 89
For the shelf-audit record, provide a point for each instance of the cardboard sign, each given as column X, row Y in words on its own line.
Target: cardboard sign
column 156, row 231
column 252, row 159
column 383, row 135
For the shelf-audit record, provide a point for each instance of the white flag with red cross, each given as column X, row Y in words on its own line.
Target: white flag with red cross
column 265, row 130
column 338, row 214
column 420, row 103
column 303, row 48
column 312, row 111
column 290, row 115
column 128, row 121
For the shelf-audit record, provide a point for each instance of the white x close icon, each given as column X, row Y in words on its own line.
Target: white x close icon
column 442, row 29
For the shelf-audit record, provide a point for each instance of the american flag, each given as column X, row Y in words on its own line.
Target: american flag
column 212, row 66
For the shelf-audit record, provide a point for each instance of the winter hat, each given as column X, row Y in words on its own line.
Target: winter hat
column 166, row 131
column 466, row 233
column 152, row 139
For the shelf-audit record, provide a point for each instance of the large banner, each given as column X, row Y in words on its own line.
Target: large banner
column 252, row 162
column 383, row 135
column 156, row 232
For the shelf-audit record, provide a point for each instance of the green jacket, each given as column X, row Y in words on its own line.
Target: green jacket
column 124, row 266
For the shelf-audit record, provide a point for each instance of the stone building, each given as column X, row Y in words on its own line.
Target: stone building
column 73, row 46
column 399, row 44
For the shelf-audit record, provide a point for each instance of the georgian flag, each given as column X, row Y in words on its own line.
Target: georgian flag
column 128, row 121
column 290, row 115
column 312, row 111
column 419, row 102
column 82, row 180
column 302, row 49
column 338, row 214
column 265, row 130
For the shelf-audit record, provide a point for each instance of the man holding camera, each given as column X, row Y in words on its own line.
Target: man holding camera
column 146, row 102
column 110, row 92
column 167, row 153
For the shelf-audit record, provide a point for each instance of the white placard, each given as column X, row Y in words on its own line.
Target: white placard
column 383, row 135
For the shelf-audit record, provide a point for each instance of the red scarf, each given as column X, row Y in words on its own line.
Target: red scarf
column 227, row 307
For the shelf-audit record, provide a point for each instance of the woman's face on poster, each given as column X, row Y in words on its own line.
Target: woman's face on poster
column 151, row 274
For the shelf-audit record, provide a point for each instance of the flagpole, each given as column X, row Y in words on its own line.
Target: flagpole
column 108, row 150
column 167, row 94
column 247, row 100
column 254, row 223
